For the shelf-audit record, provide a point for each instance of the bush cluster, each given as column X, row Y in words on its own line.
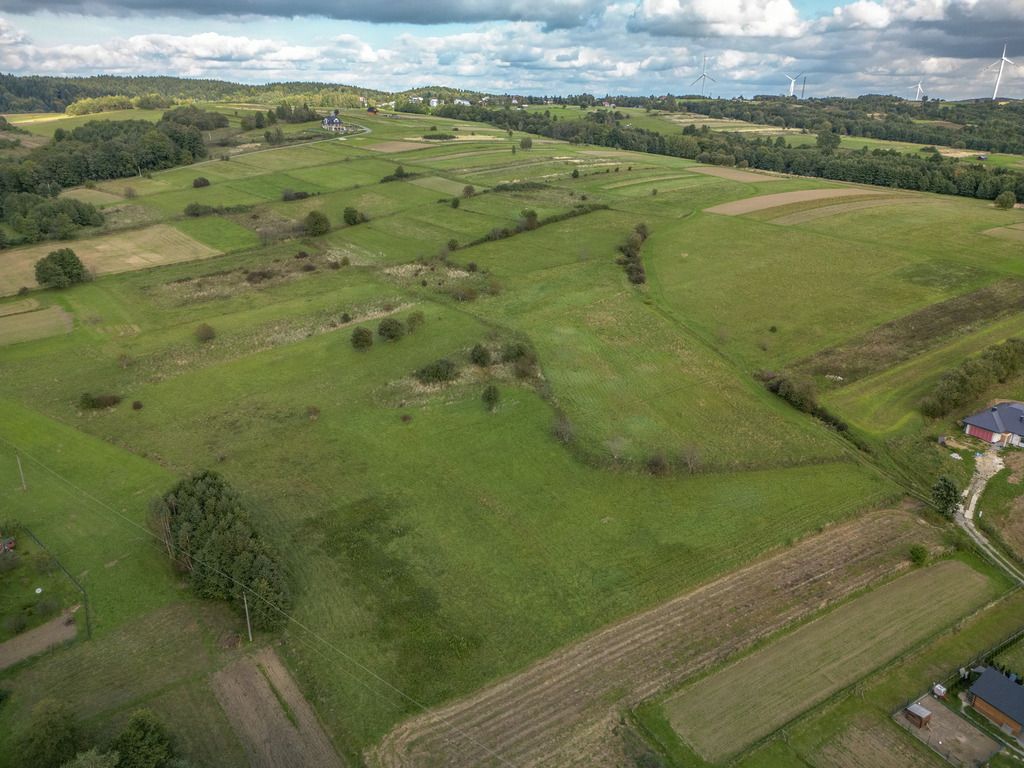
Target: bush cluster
column 973, row 377
column 528, row 220
column 391, row 329
column 208, row 532
column 316, row 223
column 800, row 393
column 399, row 174
column 630, row 258
column 362, row 338
column 439, row 136
column 200, row 181
column 438, row 372
column 352, row 217
column 291, row 194
column 205, row 333
column 92, row 402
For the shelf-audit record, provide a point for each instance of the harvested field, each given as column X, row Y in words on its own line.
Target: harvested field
column 121, row 252
column 38, row 324
column 763, row 202
column 1012, row 232
column 557, row 711
column 17, row 307
column 727, row 712
column 871, row 745
column 734, row 174
column 887, row 345
column 397, row 146
column 802, row 217
column 35, row 641
column 271, row 718
column 952, row 736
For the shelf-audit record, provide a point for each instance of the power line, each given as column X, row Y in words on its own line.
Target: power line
column 290, row 618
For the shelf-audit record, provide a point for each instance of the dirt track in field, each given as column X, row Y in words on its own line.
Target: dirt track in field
column 801, row 217
column 251, row 692
column 558, row 712
column 763, row 202
column 38, row 640
column 733, row 174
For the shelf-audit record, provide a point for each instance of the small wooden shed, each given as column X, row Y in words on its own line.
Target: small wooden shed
column 918, row 715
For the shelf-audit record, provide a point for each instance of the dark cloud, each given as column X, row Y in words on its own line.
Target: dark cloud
column 555, row 14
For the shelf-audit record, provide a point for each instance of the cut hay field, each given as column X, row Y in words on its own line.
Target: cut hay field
column 435, row 547
column 106, row 254
column 34, row 324
column 728, row 711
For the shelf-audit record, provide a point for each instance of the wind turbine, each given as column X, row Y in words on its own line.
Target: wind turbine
column 704, row 76
column 1003, row 61
column 920, row 90
column 792, row 84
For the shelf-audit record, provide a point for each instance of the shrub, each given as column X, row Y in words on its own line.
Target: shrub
column 351, row 216
column 390, row 329
column 60, row 269
column 1006, row 200
column 415, row 321
column 316, row 224
column 946, row 495
column 657, row 465
column 471, row 267
column 200, row 181
column 346, row 317
column 51, row 738
column 290, row 194
column 563, row 430
column 490, row 397
column 196, row 210
column 362, row 338
column 526, row 143
column 307, row 267
column 438, row 372
column 480, row 356
column 205, row 333
column 455, row 202
column 525, row 367
column 259, row 275
column 143, row 743
column 514, row 350
column 575, row 173
column 96, row 402
column 918, row 554
column 137, row 405
column 345, row 261
column 468, row 191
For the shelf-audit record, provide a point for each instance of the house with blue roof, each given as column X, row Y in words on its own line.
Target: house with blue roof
column 1002, row 424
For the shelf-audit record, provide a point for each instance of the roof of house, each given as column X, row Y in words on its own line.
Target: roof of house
column 1000, row 418
column 1001, row 692
column 917, row 709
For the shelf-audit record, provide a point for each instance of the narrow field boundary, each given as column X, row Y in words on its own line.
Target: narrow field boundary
column 763, row 202
column 802, row 217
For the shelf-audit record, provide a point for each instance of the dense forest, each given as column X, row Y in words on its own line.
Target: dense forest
column 55, row 94
column 982, row 125
column 927, row 172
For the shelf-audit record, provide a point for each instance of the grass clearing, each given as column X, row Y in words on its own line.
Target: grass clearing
column 37, row 324
column 723, row 714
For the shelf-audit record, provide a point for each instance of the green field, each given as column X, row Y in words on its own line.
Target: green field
column 432, row 545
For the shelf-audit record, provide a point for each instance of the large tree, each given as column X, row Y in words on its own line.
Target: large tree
column 60, row 268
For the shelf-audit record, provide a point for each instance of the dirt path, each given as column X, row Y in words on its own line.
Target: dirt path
column 38, row 640
column 987, row 465
column 558, row 712
column 272, row 719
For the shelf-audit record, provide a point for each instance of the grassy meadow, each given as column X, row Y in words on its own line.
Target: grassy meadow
column 432, row 545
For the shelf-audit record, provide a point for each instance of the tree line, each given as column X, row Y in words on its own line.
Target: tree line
column 928, row 172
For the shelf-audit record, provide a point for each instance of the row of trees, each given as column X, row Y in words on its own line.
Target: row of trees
column 37, row 218
column 209, row 534
column 931, row 173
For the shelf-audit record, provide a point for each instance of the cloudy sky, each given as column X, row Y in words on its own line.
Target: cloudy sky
column 531, row 46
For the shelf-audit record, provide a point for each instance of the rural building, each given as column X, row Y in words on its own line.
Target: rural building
column 1002, row 424
column 999, row 699
column 462, row 102
column 434, row 102
column 918, row 715
column 332, row 123
column 415, row 99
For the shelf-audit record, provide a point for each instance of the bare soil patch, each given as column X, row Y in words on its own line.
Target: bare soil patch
column 763, row 202
column 898, row 340
column 120, row 252
column 734, row 174
column 35, row 641
column 870, row 745
column 397, row 146
column 552, row 713
column 801, row 217
column 275, row 724
column 39, row 324
column 953, row 737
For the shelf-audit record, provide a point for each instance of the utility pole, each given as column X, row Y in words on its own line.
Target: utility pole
column 21, row 472
column 248, row 625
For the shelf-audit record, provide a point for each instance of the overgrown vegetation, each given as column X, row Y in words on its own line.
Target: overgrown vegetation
column 974, row 377
column 630, row 259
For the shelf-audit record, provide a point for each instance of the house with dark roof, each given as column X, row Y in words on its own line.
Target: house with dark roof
column 332, row 123
column 1000, row 699
column 1002, row 424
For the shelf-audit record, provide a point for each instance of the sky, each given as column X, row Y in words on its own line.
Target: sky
column 532, row 46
